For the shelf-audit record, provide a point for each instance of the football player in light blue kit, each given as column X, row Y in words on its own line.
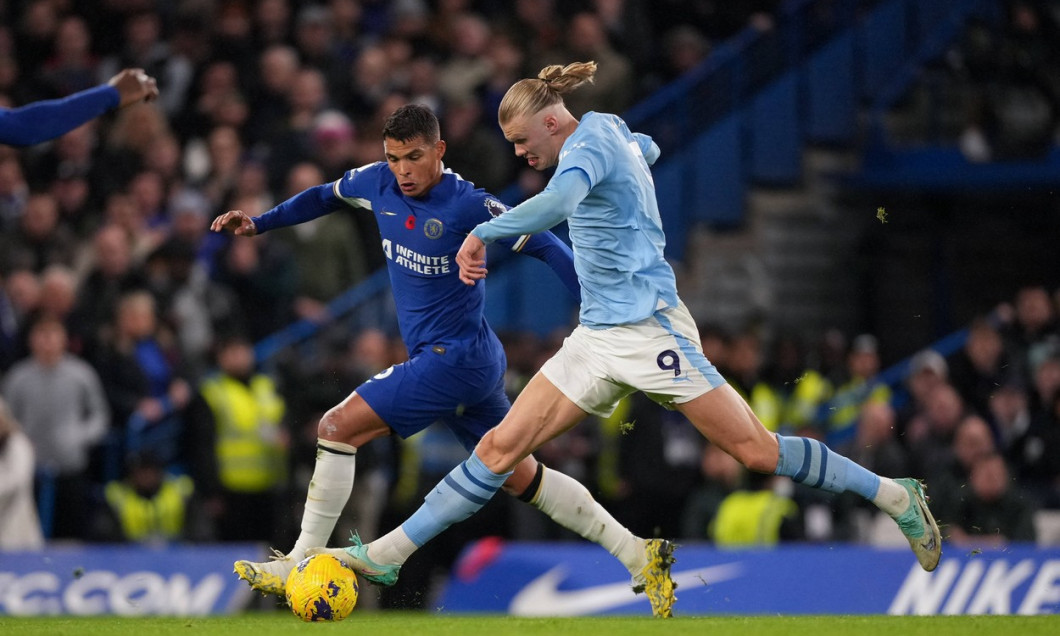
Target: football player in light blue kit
column 635, row 333
column 456, row 364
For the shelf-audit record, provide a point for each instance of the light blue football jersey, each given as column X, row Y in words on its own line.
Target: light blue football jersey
column 616, row 231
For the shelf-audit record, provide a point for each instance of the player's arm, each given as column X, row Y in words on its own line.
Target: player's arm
column 556, row 202
column 540, row 212
column 648, row 148
column 40, row 121
column 305, row 206
column 552, row 251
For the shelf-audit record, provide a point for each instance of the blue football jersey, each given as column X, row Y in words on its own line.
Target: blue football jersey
column 421, row 236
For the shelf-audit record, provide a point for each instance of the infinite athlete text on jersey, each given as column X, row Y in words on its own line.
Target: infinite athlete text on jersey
column 419, row 263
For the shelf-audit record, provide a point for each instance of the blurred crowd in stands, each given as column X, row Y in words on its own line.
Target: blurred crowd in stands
column 1012, row 100
column 996, row 91
column 126, row 327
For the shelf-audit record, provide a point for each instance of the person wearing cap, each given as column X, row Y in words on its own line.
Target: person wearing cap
column 927, row 370
column 840, row 414
column 189, row 215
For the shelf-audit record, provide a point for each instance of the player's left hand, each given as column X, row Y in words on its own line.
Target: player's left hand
column 472, row 260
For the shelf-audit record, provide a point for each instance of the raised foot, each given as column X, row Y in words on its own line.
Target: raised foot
column 918, row 525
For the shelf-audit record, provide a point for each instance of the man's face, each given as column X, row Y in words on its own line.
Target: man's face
column 48, row 343
column 237, row 359
column 416, row 164
column 533, row 139
column 989, row 478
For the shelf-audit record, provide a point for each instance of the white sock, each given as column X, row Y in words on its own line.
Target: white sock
column 329, row 490
column 570, row 504
column 891, row 498
column 393, row 548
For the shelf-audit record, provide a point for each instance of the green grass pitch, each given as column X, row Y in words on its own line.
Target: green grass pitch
column 397, row 624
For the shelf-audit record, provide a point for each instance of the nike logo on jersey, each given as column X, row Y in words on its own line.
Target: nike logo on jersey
column 387, row 213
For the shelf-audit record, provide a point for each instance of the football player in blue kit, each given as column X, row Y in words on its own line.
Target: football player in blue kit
column 456, row 364
column 635, row 334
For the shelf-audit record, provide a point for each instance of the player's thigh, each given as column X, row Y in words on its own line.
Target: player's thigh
column 582, row 373
column 540, row 413
column 662, row 357
column 725, row 418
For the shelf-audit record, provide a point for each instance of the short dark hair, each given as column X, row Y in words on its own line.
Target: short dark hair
column 412, row 121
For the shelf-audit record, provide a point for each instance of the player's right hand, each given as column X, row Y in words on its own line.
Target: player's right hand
column 235, row 221
column 134, row 85
column 472, row 260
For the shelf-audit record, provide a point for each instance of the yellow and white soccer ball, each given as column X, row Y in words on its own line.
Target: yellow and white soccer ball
column 322, row 588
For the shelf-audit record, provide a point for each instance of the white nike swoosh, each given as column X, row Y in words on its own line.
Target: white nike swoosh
column 542, row 596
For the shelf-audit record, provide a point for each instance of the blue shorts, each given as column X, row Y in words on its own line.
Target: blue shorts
column 412, row 395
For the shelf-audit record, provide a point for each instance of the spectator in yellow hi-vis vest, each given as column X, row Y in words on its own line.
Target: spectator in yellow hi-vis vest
column 239, row 445
column 149, row 505
column 744, row 373
column 762, row 515
column 841, row 412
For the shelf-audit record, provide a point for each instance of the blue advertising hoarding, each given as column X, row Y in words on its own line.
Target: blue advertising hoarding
column 125, row 580
column 562, row 579
column 548, row 579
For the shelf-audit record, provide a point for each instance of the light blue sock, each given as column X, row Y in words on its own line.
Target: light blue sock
column 458, row 496
column 810, row 462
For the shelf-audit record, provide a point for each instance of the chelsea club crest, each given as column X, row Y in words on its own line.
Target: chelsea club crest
column 433, row 228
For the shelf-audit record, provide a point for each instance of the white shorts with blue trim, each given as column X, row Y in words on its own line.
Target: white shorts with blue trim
column 661, row 356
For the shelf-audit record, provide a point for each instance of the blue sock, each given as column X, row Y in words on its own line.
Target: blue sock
column 458, row 496
column 810, row 462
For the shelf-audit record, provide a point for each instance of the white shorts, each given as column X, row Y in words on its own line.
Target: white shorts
column 661, row 356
